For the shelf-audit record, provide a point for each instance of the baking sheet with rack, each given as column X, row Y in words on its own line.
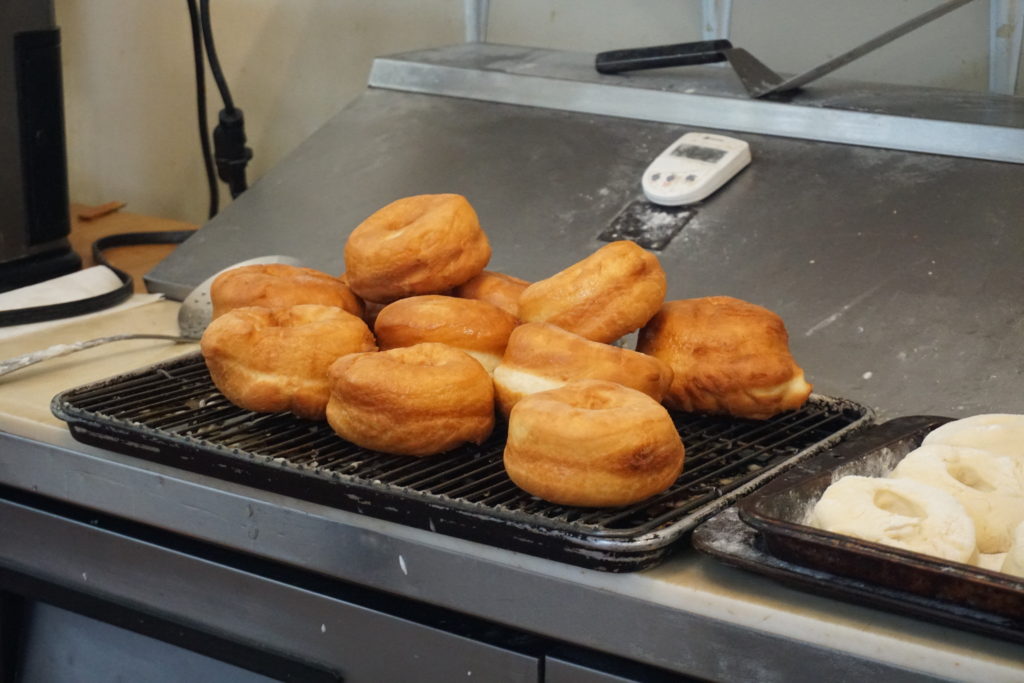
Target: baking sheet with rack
column 764, row 533
column 172, row 414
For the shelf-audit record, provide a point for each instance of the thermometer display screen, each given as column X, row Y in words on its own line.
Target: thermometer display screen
column 699, row 153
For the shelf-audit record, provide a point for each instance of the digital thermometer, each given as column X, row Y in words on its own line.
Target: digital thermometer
column 693, row 167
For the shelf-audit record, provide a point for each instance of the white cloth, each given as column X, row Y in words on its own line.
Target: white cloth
column 71, row 287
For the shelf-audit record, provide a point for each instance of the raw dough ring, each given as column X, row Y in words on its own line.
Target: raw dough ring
column 988, row 485
column 997, row 432
column 901, row 513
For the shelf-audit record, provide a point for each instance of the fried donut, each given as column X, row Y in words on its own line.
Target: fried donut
column 540, row 356
column 728, row 356
column 901, row 513
column 593, row 444
column 425, row 244
column 610, row 293
column 416, row 400
column 495, row 288
column 476, row 327
column 271, row 360
column 988, row 485
column 278, row 285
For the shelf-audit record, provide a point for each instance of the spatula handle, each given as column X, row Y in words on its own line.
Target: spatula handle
column 19, row 362
column 659, row 56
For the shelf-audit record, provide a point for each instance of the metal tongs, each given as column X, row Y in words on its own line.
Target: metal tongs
column 757, row 78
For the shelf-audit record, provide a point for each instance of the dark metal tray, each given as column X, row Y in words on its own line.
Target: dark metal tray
column 172, row 414
column 765, row 533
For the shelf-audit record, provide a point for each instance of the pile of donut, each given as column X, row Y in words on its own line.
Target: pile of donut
column 416, row 348
column 958, row 497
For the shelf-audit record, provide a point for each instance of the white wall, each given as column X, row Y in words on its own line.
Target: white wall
column 130, row 95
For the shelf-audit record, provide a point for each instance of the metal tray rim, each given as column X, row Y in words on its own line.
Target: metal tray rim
column 751, row 511
column 651, row 541
column 743, row 551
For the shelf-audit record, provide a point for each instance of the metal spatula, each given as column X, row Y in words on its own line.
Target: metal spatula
column 757, row 79
column 194, row 315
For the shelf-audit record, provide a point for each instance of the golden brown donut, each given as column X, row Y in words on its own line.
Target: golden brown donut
column 270, row 360
column 495, row 288
column 278, row 285
column 608, row 294
column 593, row 444
column 425, row 244
column 476, row 327
column 370, row 308
column 728, row 356
column 415, row 400
column 541, row 357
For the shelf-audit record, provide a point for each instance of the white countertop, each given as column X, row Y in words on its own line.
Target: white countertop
column 688, row 584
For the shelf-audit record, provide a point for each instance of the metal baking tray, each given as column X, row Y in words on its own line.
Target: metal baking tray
column 765, row 533
column 171, row 413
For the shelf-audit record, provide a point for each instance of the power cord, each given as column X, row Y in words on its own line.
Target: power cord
column 230, row 154
column 204, row 132
column 230, row 151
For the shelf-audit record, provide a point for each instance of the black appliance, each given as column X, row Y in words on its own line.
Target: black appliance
column 34, row 221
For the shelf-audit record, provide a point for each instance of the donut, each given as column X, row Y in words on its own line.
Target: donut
column 1013, row 563
column 610, row 293
column 728, row 357
column 415, row 400
column 425, row 244
column 540, row 356
column 901, row 513
column 592, row 443
column 989, row 486
column 1000, row 433
column 475, row 327
column 270, row 360
column 278, row 285
column 495, row 288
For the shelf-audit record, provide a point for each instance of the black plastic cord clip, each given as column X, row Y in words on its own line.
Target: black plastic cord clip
column 230, row 151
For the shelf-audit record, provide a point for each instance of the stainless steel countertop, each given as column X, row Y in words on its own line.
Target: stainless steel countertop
column 897, row 273
column 690, row 614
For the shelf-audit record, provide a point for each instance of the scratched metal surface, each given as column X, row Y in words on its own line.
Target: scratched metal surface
column 898, row 274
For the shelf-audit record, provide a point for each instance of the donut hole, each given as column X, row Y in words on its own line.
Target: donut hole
column 896, row 504
column 970, row 477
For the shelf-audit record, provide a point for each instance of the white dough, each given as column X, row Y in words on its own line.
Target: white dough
column 902, row 513
column 988, row 485
column 997, row 432
column 991, row 561
column 1014, row 562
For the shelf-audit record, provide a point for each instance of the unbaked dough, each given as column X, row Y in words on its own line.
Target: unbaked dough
column 901, row 513
column 1014, row 562
column 988, row 485
column 1001, row 433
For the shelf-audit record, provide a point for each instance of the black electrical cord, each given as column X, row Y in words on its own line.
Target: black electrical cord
column 211, row 56
column 204, row 132
column 230, row 153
